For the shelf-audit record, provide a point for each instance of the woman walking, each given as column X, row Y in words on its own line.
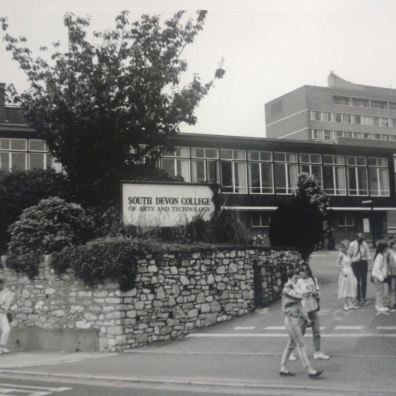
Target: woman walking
column 347, row 283
column 294, row 317
column 391, row 262
column 379, row 275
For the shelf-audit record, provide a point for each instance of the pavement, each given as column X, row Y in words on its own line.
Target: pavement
column 242, row 356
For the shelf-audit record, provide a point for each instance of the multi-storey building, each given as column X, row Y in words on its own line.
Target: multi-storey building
column 340, row 110
column 255, row 174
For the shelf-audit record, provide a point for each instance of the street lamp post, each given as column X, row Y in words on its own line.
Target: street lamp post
column 371, row 203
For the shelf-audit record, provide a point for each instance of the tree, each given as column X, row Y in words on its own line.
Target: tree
column 111, row 101
column 298, row 223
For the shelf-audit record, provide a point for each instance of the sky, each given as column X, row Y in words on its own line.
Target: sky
column 270, row 47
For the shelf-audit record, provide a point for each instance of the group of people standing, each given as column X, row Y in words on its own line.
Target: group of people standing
column 301, row 298
column 353, row 263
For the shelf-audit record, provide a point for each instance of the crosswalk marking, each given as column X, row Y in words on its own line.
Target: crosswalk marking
column 244, row 327
column 348, row 327
column 276, row 335
column 29, row 390
column 386, row 327
column 275, row 328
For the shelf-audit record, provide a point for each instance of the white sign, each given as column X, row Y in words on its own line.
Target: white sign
column 165, row 205
column 366, row 225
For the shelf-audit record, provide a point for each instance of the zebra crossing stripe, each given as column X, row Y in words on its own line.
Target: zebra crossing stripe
column 386, row 327
column 348, row 327
column 275, row 328
column 244, row 327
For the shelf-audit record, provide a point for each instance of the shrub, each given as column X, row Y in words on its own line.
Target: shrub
column 26, row 263
column 22, row 189
column 49, row 226
column 227, row 227
column 99, row 260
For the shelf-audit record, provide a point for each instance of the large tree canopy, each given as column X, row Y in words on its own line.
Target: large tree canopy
column 113, row 97
column 298, row 223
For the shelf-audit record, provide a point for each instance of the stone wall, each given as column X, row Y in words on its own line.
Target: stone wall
column 174, row 295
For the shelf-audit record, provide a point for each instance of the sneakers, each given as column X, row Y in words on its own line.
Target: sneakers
column 381, row 309
column 363, row 302
column 4, row 350
column 346, row 308
column 315, row 375
column 354, row 306
column 292, row 357
column 320, row 356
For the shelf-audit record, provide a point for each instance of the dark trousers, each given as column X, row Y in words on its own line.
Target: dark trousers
column 360, row 270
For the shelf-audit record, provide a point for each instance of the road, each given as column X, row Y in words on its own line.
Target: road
column 239, row 357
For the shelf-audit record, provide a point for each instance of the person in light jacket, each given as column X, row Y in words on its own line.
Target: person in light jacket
column 391, row 263
column 379, row 275
column 294, row 316
column 6, row 299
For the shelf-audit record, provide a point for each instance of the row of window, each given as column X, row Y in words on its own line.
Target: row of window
column 322, row 134
column 24, row 154
column 382, row 122
column 262, row 220
column 359, row 102
column 265, row 172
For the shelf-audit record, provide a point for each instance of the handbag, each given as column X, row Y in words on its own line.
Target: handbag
column 314, row 301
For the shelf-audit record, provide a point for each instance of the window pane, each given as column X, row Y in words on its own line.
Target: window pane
column 340, row 181
column 293, row 177
column 36, row 161
column 183, row 151
column 384, row 181
column 211, row 153
column 226, row 176
column 352, row 182
column 373, row 181
column 315, row 159
column 239, row 154
column 328, row 159
column 36, row 145
column 280, row 178
column 4, row 161
column 279, row 156
column 254, row 177
column 226, row 154
column 168, row 165
column 18, row 144
column 317, row 172
column 198, row 171
column 183, row 169
column 213, row 174
column 328, row 179
column 265, row 155
column 266, row 178
column 304, row 158
column 362, row 179
column 254, row 155
column 240, row 177
column 291, row 157
column 18, row 161
column 197, row 152
column 4, row 144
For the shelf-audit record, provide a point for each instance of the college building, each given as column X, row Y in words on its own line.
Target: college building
column 255, row 174
column 342, row 110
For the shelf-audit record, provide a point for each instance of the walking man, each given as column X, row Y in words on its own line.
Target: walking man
column 360, row 255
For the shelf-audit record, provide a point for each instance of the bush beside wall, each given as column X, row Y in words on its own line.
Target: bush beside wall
column 175, row 293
